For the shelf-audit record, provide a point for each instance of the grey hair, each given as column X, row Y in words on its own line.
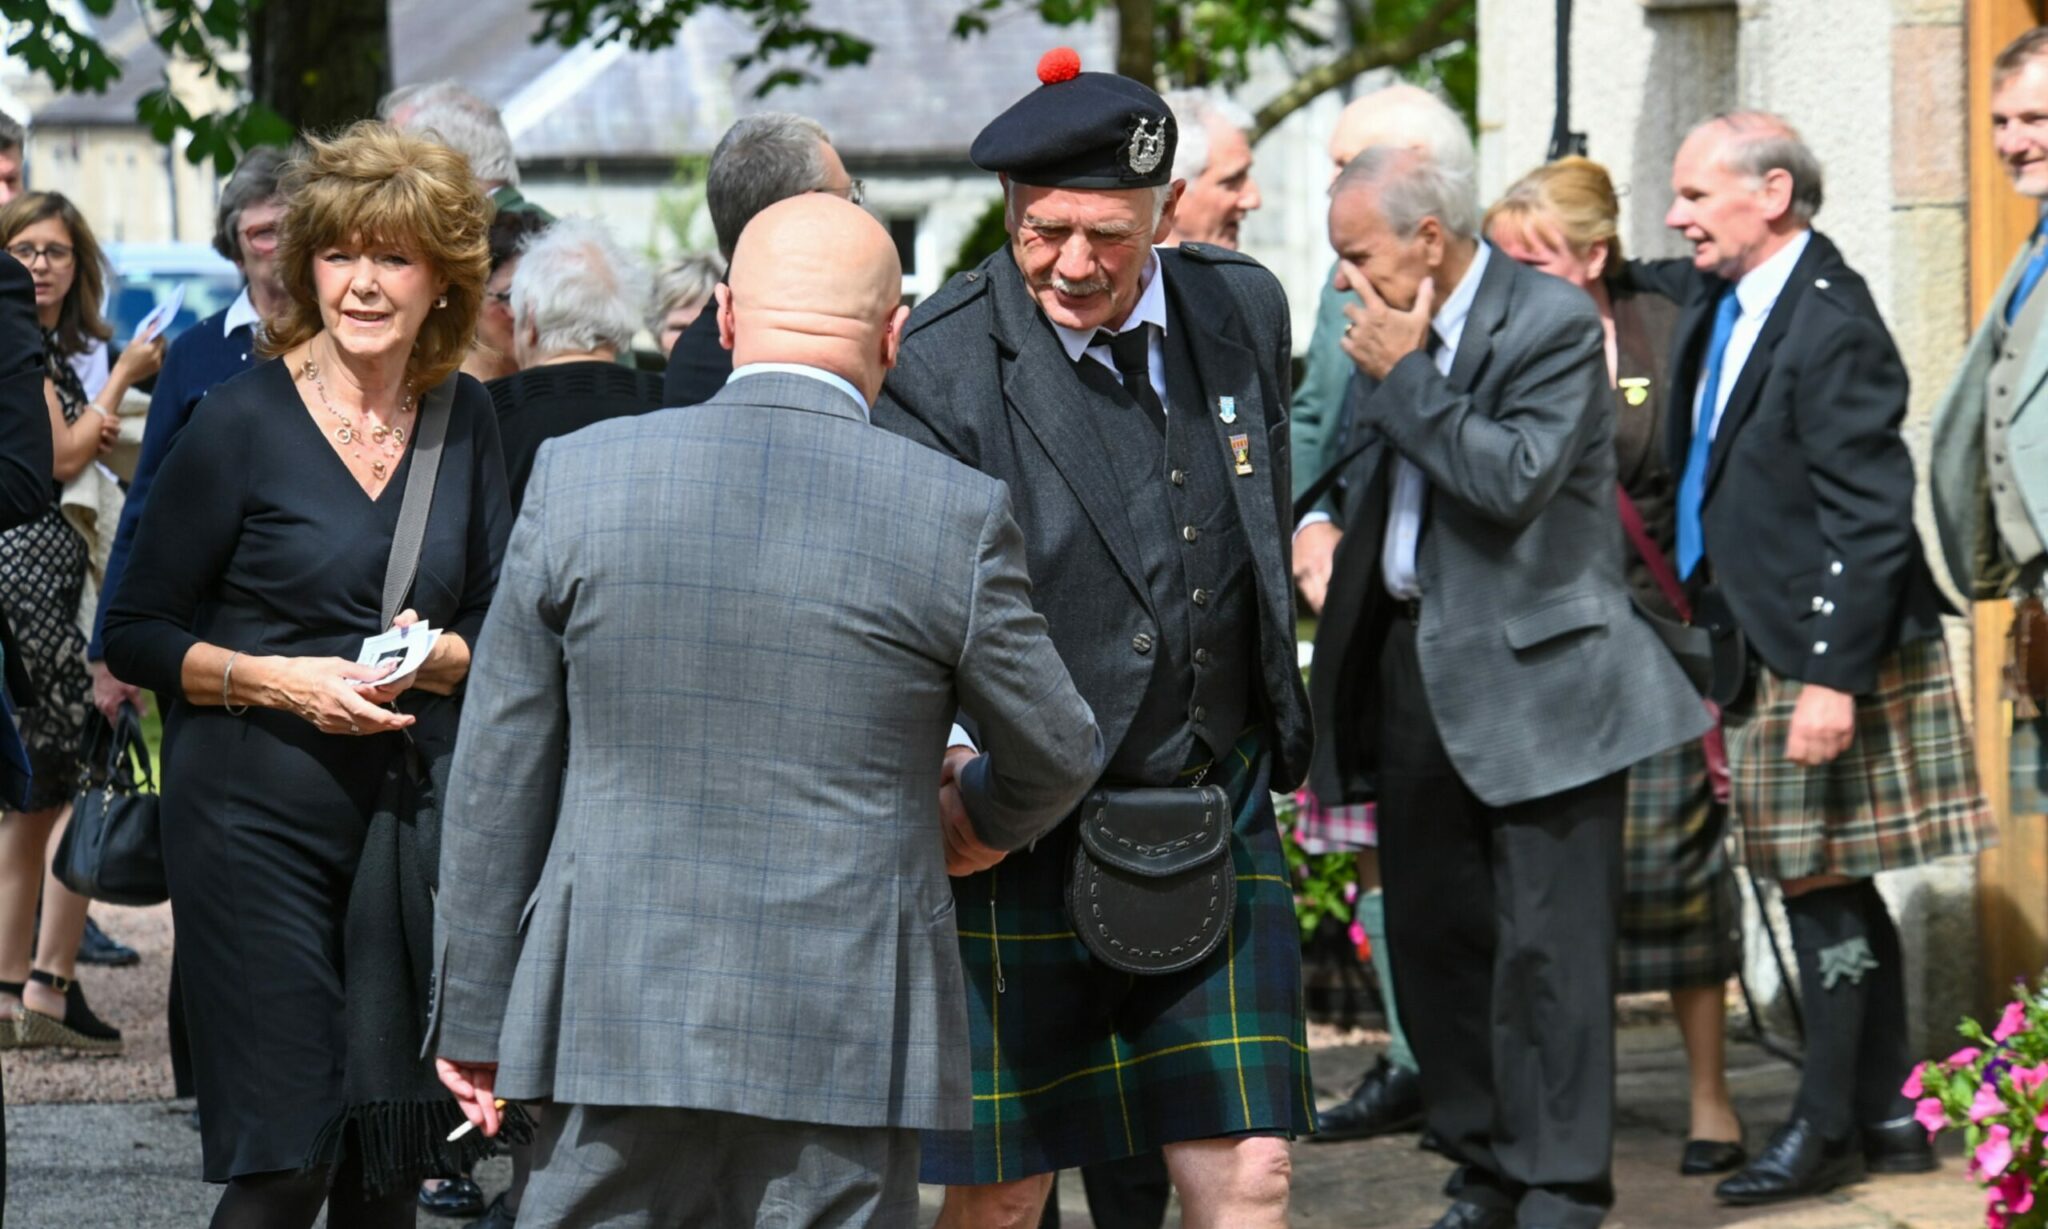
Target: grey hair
column 1194, row 112
column 688, row 280
column 578, row 289
column 1160, row 195
column 760, row 160
column 255, row 180
column 396, row 107
column 1411, row 186
column 12, row 134
column 464, row 123
column 1758, row 143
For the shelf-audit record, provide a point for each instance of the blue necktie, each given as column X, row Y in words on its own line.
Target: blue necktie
column 2031, row 275
column 1692, row 488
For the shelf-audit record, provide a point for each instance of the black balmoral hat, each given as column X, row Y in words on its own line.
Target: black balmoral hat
column 1081, row 130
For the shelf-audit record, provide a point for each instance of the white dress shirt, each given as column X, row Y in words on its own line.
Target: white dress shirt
column 1411, row 486
column 1755, row 295
column 1149, row 309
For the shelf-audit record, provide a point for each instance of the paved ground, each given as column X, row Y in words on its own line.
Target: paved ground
column 94, row 1143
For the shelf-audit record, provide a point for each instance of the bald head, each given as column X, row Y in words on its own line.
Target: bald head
column 815, row 280
column 1407, row 116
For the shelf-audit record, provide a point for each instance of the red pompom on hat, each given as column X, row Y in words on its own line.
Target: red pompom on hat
column 1059, row 64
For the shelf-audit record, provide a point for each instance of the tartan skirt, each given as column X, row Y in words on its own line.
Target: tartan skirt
column 1075, row 1063
column 1320, row 829
column 1905, row 792
column 1681, row 924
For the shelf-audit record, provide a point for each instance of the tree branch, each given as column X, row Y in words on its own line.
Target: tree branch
column 1434, row 31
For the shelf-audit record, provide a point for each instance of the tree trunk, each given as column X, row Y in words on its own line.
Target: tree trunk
column 320, row 66
column 1136, row 25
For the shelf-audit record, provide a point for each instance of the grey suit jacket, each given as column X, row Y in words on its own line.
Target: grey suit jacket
column 692, row 853
column 1540, row 674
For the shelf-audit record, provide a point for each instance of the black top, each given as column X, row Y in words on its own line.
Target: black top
column 1642, row 338
column 698, row 367
column 540, row 403
column 25, row 447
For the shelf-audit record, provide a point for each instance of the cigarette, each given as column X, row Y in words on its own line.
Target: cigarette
column 468, row 1126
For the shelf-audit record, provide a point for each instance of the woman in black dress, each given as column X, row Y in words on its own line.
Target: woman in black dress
column 257, row 573
column 42, row 581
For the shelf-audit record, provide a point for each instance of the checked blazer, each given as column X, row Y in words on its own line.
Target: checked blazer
column 692, row 854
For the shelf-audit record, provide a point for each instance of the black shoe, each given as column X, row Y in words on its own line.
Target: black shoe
column 1795, row 1164
column 1463, row 1215
column 496, row 1217
column 97, row 948
column 1388, row 1100
column 1900, row 1146
column 454, row 1197
column 1711, row 1156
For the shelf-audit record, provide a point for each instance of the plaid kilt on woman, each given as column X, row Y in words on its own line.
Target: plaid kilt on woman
column 1076, row 1063
column 1904, row 793
column 1681, row 924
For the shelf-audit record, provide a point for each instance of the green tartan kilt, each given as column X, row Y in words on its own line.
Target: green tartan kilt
column 1681, row 924
column 1075, row 1063
column 1905, row 792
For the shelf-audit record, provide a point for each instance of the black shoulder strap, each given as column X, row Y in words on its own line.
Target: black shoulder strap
column 419, row 498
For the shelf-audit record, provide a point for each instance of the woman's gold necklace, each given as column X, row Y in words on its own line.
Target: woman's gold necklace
column 390, row 441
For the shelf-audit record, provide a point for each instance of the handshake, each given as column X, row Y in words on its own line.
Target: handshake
column 965, row 853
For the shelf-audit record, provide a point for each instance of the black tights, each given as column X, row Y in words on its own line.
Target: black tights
column 292, row 1200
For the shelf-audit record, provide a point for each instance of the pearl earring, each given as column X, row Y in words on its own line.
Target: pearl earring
column 442, row 301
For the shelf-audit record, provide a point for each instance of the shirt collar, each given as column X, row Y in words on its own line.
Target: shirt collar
column 1760, row 287
column 819, row 374
column 1450, row 318
column 241, row 314
column 1149, row 309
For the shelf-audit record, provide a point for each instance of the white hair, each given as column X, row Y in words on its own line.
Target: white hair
column 1410, row 186
column 460, row 120
column 578, row 290
column 689, row 279
column 1196, row 115
column 1412, row 118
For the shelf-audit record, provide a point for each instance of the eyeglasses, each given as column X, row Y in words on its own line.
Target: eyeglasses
column 261, row 238
column 855, row 192
column 58, row 256
column 503, row 298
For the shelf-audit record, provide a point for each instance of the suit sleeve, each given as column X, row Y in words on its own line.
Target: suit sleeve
column 1851, row 399
column 505, row 789
column 1674, row 279
column 1316, row 419
column 1041, row 749
column 1504, row 462
column 915, row 403
column 26, row 462
column 170, row 408
column 490, row 519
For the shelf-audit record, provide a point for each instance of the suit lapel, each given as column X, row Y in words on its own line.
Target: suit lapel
column 1757, row 367
column 1489, row 312
column 1041, row 387
column 1689, row 341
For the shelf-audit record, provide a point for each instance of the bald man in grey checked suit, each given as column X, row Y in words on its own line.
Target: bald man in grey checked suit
column 693, row 881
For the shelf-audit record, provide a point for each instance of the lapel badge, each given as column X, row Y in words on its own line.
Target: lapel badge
column 1241, row 452
column 1226, row 409
column 1635, row 389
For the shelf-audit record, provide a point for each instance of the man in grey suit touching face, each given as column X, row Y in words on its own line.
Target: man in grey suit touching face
column 693, row 883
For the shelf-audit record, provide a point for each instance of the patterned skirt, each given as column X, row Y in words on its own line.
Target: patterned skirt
column 1340, row 829
column 1075, row 1063
column 1905, row 792
column 1681, row 924
column 42, row 581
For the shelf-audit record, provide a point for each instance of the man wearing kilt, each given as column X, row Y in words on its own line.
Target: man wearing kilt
column 1134, row 399
column 1795, row 516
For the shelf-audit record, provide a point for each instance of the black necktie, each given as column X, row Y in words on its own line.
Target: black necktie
column 1131, row 350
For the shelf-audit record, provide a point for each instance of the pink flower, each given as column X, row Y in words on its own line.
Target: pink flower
column 2041, row 1121
column 1357, row 935
column 1964, row 1057
column 1994, row 1155
column 2017, row 1193
column 1912, row 1088
column 1987, row 1105
column 1929, row 1114
column 2029, row 1079
column 2014, row 1019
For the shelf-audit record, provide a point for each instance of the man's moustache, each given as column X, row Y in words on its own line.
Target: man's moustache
column 1077, row 289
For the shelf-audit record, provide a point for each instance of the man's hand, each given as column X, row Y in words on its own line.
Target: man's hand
column 110, row 693
column 474, row 1086
column 1823, row 725
column 1379, row 336
column 965, row 854
column 1315, row 550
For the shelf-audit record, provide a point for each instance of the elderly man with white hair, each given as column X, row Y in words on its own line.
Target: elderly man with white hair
column 1214, row 160
column 470, row 126
column 577, row 301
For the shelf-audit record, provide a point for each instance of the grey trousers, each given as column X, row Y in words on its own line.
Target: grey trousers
column 638, row 1168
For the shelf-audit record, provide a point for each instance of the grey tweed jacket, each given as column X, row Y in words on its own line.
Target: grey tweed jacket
column 692, row 853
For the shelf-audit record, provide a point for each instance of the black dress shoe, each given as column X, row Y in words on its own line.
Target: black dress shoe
column 1386, row 1101
column 456, row 1197
column 1900, row 1146
column 1711, row 1156
column 1795, row 1164
column 496, row 1217
column 97, row 948
column 1463, row 1215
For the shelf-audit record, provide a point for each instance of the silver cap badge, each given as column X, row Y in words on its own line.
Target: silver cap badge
column 1146, row 148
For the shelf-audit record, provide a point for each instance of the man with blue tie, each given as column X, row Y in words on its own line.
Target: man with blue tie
column 1795, row 516
column 1990, row 490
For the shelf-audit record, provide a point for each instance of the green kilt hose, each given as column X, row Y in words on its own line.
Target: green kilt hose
column 1904, row 793
column 1681, row 924
column 1075, row 1063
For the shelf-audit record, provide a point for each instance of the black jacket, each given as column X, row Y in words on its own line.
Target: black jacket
column 1808, row 517
column 698, row 367
column 26, row 465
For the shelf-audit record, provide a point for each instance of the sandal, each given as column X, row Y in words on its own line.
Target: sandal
column 79, row 1030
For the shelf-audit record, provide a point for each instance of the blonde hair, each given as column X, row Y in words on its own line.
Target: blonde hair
column 1571, row 202
column 374, row 183
column 79, row 322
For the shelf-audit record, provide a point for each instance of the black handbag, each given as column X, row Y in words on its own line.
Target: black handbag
column 1152, row 887
column 113, row 850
